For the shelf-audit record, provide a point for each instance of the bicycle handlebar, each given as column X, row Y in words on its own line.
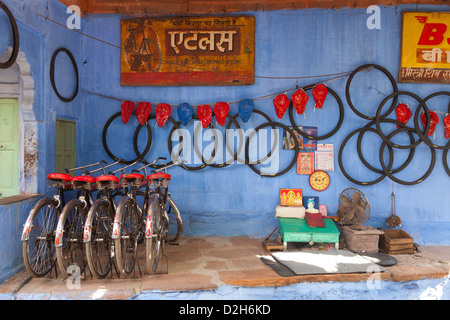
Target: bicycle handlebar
column 86, row 166
column 107, row 166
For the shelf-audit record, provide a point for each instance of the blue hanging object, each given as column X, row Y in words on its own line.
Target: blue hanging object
column 185, row 113
column 245, row 108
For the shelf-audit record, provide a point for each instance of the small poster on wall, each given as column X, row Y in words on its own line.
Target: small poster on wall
column 311, row 204
column 324, row 157
column 291, row 197
column 309, row 144
column 305, row 163
column 288, row 141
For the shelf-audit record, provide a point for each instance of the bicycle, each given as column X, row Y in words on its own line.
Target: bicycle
column 157, row 227
column 128, row 220
column 38, row 233
column 69, row 230
column 99, row 248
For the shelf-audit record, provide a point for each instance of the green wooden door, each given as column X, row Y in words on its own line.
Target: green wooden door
column 9, row 148
column 65, row 145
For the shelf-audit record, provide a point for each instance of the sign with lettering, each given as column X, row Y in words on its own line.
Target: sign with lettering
column 183, row 51
column 425, row 53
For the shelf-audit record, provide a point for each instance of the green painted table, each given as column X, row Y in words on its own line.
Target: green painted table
column 297, row 230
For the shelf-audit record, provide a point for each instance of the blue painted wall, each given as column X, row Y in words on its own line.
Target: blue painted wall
column 39, row 38
column 236, row 201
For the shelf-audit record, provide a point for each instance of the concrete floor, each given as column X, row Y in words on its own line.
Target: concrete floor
column 207, row 263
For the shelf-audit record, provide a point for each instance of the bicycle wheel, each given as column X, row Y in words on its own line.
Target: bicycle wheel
column 69, row 238
column 38, row 237
column 126, row 234
column 97, row 238
column 175, row 221
column 153, row 238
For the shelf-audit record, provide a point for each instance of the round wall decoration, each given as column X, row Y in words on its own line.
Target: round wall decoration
column 319, row 180
column 52, row 74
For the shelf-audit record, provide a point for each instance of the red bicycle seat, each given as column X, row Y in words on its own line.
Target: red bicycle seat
column 132, row 176
column 107, row 178
column 89, row 179
column 159, row 175
column 59, row 176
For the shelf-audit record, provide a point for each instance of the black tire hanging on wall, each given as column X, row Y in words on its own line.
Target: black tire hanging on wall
column 15, row 30
column 52, row 74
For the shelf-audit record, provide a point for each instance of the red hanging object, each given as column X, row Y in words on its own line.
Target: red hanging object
column 143, row 110
column 320, row 93
column 281, row 103
column 162, row 111
column 447, row 127
column 403, row 113
column 221, row 110
column 299, row 99
column 127, row 109
column 434, row 120
column 204, row 113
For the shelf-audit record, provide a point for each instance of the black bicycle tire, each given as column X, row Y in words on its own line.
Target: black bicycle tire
column 170, row 147
column 118, row 245
column 403, row 182
column 152, row 259
column 59, row 248
column 108, row 151
column 423, row 136
column 341, row 165
column 329, row 134
column 368, row 165
column 445, row 161
column 216, row 143
column 350, row 78
column 33, row 213
column 378, row 117
column 88, row 244
column 177, row 214
column 135, row 146
column 294, row 159
column 247, row 161
column 52, row 74
column 16, row 40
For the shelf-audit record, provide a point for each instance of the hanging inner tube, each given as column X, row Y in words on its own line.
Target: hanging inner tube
column 16, row 41
column 325, row 136
column 350, row 79
column 52, row 74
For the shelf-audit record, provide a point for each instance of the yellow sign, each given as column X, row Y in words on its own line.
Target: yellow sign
column 173, row 51
column 425, row 55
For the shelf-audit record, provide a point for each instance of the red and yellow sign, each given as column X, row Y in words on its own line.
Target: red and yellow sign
column 177, row 51
column 425, row 53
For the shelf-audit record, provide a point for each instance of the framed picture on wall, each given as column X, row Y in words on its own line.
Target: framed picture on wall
column 305, row 163
column 291, row 197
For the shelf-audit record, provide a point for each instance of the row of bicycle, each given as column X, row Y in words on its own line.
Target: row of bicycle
column 102, row 226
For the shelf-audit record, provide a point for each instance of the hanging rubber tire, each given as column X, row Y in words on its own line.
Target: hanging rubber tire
column 226, row 163
column 387, row 171
column 135, row 146
column 246, row 161
column 380, row 171
column 108, row 151
column 423, row 136
column 294, row 159
column 444, row 159
column 341, row 165
column 350, row 79
column 52, row 74
column 16, row 40
column 325, row 136
column 378, row 117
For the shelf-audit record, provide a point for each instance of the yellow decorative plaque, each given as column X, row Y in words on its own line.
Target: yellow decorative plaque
column 174, row 51
column 425, row 55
